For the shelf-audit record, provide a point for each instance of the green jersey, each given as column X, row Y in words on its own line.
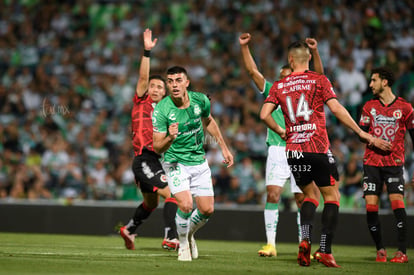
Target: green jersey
column 187, row 148
column 272, row 137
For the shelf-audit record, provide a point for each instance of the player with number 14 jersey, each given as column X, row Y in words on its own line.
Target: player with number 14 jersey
column 302, row 97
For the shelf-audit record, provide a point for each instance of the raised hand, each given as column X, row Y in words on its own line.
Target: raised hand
column 148, row 42
column 312, row 43
column 244, row 38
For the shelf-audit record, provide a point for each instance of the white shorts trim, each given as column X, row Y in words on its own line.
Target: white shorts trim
column 196, row 179
column 278, row 170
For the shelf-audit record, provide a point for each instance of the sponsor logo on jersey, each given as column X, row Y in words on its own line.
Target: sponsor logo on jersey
column 303, row 127
column 172, row 116
column 381, row 119
column 365, row 119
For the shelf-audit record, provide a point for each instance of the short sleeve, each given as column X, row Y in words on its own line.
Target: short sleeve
column 365, row 119
column 266, row 88
column 409, row 123
column 138, row 100
column 271, row 98
column 327, row 89
column 207, row 106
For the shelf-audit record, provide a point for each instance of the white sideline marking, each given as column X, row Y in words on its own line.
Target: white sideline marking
column 83, row 254
column 89, row 254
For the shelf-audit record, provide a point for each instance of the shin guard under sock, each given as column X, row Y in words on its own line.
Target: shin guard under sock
column 169, row 212
column 374, row 225
column 141, row 214
column 307, row 215
column 401, row 223
column 329, row 222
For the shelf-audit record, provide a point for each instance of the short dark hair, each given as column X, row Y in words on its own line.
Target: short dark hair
column 286, row 67
column 159, row 77
column 384, row 73
column 176, row 70
column 298, row 44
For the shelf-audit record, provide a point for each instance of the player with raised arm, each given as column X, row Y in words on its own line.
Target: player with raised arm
column 302, row 96
column 179, row 121
column 388, row 117
column 148, row 171
column 277, row 169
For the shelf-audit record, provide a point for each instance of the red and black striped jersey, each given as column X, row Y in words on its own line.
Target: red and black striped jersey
column 389, row 122
column 301, row 97
column 142, row 123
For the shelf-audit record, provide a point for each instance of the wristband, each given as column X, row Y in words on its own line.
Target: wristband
column 147, row 53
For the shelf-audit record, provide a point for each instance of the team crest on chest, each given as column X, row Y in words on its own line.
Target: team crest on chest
column 197, row 110
column 397, row 114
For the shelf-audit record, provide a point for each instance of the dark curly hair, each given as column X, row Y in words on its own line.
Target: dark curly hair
column 384, row 73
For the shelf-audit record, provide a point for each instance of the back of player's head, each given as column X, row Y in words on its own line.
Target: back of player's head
column 299, row 50
column 384, row 73
column 176, row 70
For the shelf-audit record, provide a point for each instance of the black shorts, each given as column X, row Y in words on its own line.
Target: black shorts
column 308, row 167
column 376, row 176
column 148, row 172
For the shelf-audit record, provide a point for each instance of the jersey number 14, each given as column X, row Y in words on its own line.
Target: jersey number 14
column 302, row 109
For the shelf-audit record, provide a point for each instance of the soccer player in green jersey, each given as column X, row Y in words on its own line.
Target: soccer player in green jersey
column 179, row 121
column 277, row 169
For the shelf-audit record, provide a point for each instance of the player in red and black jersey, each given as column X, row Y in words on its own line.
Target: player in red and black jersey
column 148, row 172
column 302, row 96
column 388, row 117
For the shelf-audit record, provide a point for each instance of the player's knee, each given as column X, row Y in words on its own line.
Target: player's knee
column 165, row 192
column 273, row 197
column 186, row 207
column 208, row 211
column 299, row 202
column 151, row 204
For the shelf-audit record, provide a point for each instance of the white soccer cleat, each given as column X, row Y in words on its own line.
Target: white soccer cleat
column 193, row 247
column 184, row 253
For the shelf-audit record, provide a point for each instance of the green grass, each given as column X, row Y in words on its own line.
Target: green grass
column 68, row 254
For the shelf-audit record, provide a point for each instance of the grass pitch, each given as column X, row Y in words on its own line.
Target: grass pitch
column 69, row 254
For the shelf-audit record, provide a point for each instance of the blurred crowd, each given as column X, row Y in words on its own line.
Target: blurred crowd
column 69, row 70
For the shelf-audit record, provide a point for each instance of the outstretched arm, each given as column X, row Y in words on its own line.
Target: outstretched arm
column 144, row 68
column 317, row 61
column 213, row 129
column 249, row 63
column 342, row 114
